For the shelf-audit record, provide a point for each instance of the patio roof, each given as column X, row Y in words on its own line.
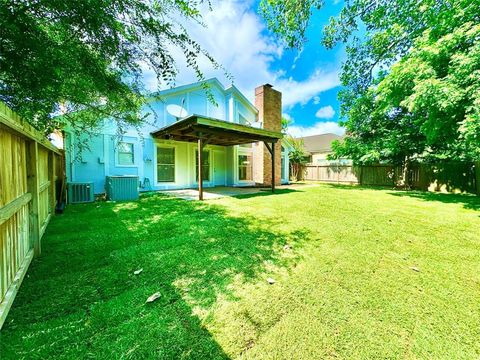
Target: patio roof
column 204, row 130
column 215, row 132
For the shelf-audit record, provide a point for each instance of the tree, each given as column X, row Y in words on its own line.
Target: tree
column 87, row 57
column 297, row 157
column 426, row 107
column 396, row 113
column 285, row 124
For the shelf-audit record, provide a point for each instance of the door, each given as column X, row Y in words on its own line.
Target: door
column 219, row 168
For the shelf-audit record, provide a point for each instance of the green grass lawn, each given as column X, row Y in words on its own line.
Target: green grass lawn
column 367, row 273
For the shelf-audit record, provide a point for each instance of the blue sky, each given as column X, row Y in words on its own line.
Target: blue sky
column 236, row 35
column 318, row 113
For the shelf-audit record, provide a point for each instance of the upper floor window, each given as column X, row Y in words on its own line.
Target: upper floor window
column 125, row 153
column 243, row 120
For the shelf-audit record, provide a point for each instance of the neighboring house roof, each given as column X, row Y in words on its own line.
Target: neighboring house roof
column 321, row 143
column 211, row 82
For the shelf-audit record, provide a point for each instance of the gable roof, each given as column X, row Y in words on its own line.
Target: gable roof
column 233, row 89
column 211, row 82
column 320, row 143
column 189, row 87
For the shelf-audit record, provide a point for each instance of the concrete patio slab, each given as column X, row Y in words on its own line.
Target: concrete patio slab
column 224, row 191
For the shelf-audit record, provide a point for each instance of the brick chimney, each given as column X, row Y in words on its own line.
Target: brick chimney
column 269, row 104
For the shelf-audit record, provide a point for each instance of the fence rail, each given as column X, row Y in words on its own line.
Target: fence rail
column 446, row 177
column 29, row 167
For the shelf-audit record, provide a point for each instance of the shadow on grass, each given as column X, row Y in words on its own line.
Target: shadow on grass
column 469, row 201
column 81, row 299
column 267, row 192
column 357, row 187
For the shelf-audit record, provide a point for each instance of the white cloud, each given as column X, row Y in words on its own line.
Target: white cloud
column 234, row 35
column 325, row 112
column 316, row 100
column 287, row 116
column 297, row 57
column 317, row 128
column 295, row 92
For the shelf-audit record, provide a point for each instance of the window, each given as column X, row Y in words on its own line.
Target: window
column 125, row 153
column 282, row 171
column 243, row 120
column 165, row 164
column 205, row 165
column 245, row 169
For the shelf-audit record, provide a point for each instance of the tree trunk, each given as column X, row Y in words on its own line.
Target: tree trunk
column 477, row 176
column 406, row 175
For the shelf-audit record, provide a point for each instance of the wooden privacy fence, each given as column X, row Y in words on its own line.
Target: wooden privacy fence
column 381, row 175
column 29, row 166
column 445, row 177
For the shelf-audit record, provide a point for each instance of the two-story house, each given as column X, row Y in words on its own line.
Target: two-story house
column 235, row 136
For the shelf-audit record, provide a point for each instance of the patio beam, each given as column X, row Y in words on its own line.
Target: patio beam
column 223, row 133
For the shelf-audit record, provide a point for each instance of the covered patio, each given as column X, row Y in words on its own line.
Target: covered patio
column 203, row 131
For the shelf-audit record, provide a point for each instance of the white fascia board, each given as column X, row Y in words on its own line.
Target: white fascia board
column 187, row 88
column 242, row 98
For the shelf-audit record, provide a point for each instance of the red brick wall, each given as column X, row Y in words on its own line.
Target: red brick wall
column 269, row 104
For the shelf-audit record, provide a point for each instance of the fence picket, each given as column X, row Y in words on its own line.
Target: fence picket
column 446, row 177
column 21, row 200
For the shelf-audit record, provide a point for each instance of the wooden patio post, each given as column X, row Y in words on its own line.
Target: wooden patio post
column 272, row 153
column 200, row 177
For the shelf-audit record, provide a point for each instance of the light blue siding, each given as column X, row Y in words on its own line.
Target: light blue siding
column 86, row 165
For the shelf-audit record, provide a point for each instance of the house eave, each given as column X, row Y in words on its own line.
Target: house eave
column 187, row 87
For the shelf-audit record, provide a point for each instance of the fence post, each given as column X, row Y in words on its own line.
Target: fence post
column 33, row 188
column 51, row 178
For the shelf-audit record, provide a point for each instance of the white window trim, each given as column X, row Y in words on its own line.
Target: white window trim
column 155, row 171
column 117, row 164
column 243, row 151
column 286, row 175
